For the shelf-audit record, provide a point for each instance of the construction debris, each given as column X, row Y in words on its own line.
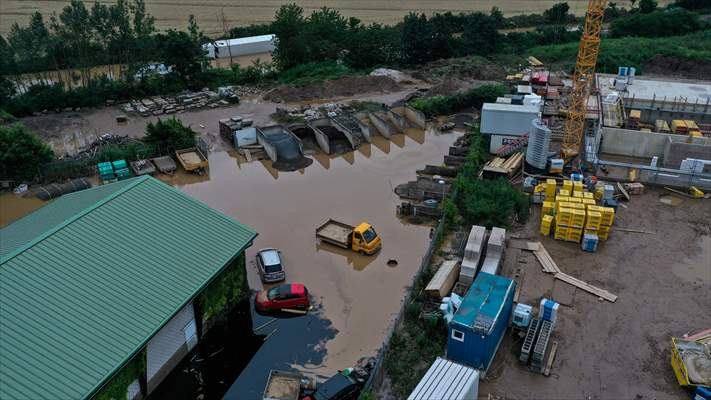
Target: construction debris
column 551, row 358
column 586, row 287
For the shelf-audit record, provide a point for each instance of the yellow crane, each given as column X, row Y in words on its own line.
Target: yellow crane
column 583, row 77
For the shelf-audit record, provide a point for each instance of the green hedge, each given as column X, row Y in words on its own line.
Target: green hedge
column 229, row 288
column 117, row 387
column 632, row 51
column 443, row 105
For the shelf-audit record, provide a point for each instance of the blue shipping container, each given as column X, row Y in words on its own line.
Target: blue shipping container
column 480, row 322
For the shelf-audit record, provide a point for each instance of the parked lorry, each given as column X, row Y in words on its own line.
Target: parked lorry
column 361, row 238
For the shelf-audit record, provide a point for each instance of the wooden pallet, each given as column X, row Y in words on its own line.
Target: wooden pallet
column 505, row 166
column 586, row 287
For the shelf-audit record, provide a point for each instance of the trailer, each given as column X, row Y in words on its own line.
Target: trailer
column 282, row 385
column 192, row 159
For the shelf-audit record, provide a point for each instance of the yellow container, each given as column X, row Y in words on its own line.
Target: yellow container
column 550, row 187
column 577, row 186
column 691, row 124
column 546, row 224
column 563, row 216
column 695, row 133
column 602, row 235
column 577, row 206
column 608, row 216
column 578, row 195
column 541, row 187
column 564, row 192
column 576, row 200
column 568, row 185
column 590, row 231
column 590, row 202
column 577, row 218
column 561, row 232
column 588, row 195
column 593, row 220
column 548, row 207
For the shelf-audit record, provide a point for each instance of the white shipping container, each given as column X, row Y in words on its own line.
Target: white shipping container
column 507, row 119
column 447, row 380
column 240, row 46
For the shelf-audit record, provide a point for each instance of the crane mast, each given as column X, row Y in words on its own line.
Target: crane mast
column 583, row 77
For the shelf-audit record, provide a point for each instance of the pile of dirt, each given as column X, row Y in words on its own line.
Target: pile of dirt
column 347, row 86
column 678, row 67
column 464, row 68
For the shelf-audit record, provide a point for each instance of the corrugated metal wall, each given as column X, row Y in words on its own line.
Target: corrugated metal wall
column 168, row 347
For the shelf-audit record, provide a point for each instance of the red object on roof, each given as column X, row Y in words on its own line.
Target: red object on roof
column 540, row 78
column 298, row 288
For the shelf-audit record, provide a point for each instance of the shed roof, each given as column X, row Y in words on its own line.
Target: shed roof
column 445, row 380
column 88, row 279
column 244, row 40
column 483, row 302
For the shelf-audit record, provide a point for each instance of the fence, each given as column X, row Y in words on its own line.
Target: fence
column 376, row 375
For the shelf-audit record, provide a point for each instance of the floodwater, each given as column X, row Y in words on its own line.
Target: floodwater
column 15, row 206
column 356, row 297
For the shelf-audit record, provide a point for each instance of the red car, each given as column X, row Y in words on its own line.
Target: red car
column 290, row 295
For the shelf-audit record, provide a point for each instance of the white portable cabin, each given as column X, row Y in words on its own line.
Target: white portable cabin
column 447, row 380
column 507, row 122
column 240, row 46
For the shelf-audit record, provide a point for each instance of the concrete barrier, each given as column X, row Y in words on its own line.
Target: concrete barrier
column 270, row 148
column 381, row 124
column 675, row 152
column 416, row 117
column 321, row 137
column 633, row 143
column 397, row 120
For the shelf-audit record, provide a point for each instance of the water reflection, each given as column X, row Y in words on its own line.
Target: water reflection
column 352, row 258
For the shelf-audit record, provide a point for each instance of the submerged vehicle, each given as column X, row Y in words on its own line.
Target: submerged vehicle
column 292, row 296
column 361, row 238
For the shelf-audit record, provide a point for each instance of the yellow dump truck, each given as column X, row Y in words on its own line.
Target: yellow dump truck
column 361, row 238
column 691, row 360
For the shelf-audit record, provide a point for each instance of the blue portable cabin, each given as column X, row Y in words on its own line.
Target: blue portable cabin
column 480, row 322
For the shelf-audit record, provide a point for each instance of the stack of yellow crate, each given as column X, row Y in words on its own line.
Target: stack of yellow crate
column 593, row 220
column 548, row 208
column 577, row 187
column 546, row 223
column 564, row 193
column 588, row 198
column 550, row 189
column 608, row 217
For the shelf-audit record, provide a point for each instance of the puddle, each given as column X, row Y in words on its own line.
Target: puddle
column 697, row 267
column 670, row 200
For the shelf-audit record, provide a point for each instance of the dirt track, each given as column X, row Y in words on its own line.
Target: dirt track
column 617, row 350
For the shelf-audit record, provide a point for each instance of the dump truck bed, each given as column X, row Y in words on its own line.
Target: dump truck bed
column 282, row 385
column 191, row 159
column 335, row 232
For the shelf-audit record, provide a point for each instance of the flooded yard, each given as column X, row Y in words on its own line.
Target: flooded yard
column 355, row 296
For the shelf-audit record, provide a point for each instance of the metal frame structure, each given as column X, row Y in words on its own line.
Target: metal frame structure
column 584, row 75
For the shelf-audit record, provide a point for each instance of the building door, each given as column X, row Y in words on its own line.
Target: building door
column 168, row 347
column 190, row 332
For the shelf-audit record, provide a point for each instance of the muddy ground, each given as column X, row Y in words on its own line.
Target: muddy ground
column 616, row 350
column 346, row 86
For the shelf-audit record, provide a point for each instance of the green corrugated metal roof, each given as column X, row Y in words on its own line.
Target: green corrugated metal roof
column 105, row 270
column 44, row 219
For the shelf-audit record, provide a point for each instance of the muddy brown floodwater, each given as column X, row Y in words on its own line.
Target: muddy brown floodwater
column 359, row 294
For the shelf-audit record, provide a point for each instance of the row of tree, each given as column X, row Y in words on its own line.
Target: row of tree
column 78, row 37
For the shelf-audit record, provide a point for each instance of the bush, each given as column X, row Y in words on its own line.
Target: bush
column 442, row 105
column 169, row 135
column 314, row 72
column 657, row 24
column 21, row 153
column 616, row 52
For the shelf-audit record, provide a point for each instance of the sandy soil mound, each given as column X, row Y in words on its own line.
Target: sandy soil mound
column 347, row 86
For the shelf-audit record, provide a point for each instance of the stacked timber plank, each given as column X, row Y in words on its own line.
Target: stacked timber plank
column 505, row 166
column 494, row 251
column 443, row 280
column 472, row 254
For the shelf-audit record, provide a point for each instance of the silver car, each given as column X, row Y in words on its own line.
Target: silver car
column 270, row 265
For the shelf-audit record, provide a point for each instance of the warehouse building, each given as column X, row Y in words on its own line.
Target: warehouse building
column 104, row 291
column 506, row 123
column 240, row 47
